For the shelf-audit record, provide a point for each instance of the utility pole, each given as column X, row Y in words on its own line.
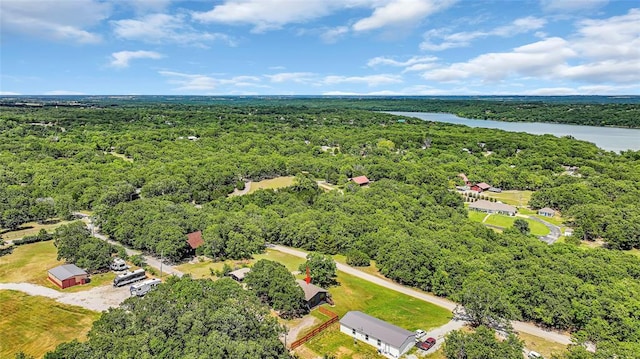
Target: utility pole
column 161, row 257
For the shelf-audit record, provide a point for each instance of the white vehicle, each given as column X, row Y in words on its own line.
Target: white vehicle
column 143, row 288
column 119, row 264
column 534, row 355
column 420, row 334
column 129, row 277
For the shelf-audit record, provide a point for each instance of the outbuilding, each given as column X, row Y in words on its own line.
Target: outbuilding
column 68, row 275
column 239, row 274
column 195, row 239
column 390, row 340
column 313, row 295
column 546, row 211
column 360, row 180
column 493, row 207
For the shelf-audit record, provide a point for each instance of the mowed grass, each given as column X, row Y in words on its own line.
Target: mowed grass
column 274, row 183
column 36, row 325
column 396, row 308
column 513, row 197
column 30, row 262
column 542, row 346
column 30, row 229
column 537, row 228
column 477, row 216
column 203, row 269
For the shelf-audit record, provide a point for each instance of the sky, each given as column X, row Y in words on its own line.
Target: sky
column 320, row 47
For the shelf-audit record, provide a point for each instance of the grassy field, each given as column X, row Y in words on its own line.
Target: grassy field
column 202, row 269
column 30, row 263
column 542, row 346
column 36, row 325
column 31, row 228
column 477, row 216
column 396, row 308
column 501, row 220
column 278, row 182
column 516, row 198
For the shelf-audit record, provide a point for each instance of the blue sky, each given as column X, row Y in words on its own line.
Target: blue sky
column 320, row 47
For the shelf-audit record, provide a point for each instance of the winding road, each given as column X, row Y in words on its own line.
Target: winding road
column 454, row 324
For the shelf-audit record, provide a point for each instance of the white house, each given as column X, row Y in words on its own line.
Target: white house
column 390, row 340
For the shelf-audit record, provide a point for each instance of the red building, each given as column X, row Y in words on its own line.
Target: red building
column 360, row 180
column 195, row 239
column 68, row 275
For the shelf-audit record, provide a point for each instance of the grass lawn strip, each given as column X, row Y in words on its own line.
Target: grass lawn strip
column 30, row 262
column 501, row 220
column 274, row 183
column 542, row 346
column 514, row 197
column 35, row 324
column 31, row 229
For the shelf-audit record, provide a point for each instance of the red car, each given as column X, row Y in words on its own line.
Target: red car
column 427, row 344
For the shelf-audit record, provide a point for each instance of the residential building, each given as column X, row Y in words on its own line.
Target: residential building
column 547, row 212
column 390, row 340
column 313, row 295
column 493, row 207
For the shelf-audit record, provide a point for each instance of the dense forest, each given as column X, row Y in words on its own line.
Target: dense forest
column 152, row 173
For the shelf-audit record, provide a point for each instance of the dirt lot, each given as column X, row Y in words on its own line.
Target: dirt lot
column 98, row 299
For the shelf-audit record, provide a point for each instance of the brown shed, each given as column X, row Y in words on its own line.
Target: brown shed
column 195, row 239
column 68, row 275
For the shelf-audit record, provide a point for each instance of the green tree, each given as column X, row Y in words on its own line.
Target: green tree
column 322, row 269
column 275, row 285
column 481, row 344
column 522, row 226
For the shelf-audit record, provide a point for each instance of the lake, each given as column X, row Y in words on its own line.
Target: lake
column 607, row 138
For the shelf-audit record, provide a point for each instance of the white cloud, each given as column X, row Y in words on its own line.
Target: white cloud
column 332, row 35
column 57, row 20
column 381, row 60
column 62, row 93
column 400, row 13
column 571, row 5
column 122, row 58
column 462, row 39
column 369, row 80
column 161, row 28
column 198, row 82
column 9, row 93
column 299, row 77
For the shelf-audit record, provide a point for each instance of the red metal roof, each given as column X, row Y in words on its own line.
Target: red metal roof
column 195, row 239
column 483, row 185
column 361, row 180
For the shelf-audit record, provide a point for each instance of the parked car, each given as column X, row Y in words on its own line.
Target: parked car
column 420, row 334
column 427, row 344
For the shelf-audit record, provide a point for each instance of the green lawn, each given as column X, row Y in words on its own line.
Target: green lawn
column 477, row 216
column 516, row 198
column 36, row 325
column 202, row 269
column 278, row 182
column 542, row 346
column 357, row 294
column 537, row 228
column 30, row 263
column 30, row 229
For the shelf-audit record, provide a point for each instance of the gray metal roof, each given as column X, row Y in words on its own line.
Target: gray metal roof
column 310, row 290
column 376, row 328
column 240, row 273
column 492, row 206
column 66, row 271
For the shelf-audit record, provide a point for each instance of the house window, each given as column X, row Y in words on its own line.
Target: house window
column 379, row 343
column 353, row 331
column 366, row 337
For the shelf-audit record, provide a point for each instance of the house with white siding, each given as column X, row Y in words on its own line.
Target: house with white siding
column 390, row 340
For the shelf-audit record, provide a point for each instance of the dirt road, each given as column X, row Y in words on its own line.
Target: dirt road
column 441, row 302
column 97, row 299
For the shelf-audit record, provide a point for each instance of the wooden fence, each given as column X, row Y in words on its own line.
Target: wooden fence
column 317, row 330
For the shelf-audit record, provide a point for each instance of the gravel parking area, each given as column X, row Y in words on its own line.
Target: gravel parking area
column 98, row 299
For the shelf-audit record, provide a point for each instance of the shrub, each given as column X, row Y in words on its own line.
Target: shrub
column 42, row 236
column 358, row 258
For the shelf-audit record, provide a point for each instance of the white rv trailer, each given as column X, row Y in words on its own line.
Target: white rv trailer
column 143, row 288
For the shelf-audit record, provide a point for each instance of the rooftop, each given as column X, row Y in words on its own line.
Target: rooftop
column 376, row 328
column 310, row 290
column 493, row 206
column 360, row 180
column 66, row 271
column 195, row 239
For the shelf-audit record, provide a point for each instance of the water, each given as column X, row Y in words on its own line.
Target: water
column 607, row 138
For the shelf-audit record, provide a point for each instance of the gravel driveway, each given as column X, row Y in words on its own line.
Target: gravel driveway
column 97, row 299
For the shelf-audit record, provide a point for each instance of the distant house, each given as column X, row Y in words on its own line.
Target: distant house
column 480, row 187
column 360, row 180
column 568, row 232
column 390, row 340
column 239, row 274
column 68, row 275
column 465, row 179
column 493, row 207
column 547, row 212
column 313, row 295
column 495, row 189
column 195, row 239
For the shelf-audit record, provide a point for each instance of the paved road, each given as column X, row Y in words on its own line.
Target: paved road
column 151, row 261
column 554, row 231
column 441, row 302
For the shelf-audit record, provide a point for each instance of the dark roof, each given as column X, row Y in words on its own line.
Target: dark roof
column 376, row 328
column 492, row 206
column 240, row 273
column 483, row 185
column 360, row 180
column 195, row 239
column 66, row 271
column 310, row 290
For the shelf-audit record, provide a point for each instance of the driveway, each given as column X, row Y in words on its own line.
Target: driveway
column 454, row 324
column 554, row 231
